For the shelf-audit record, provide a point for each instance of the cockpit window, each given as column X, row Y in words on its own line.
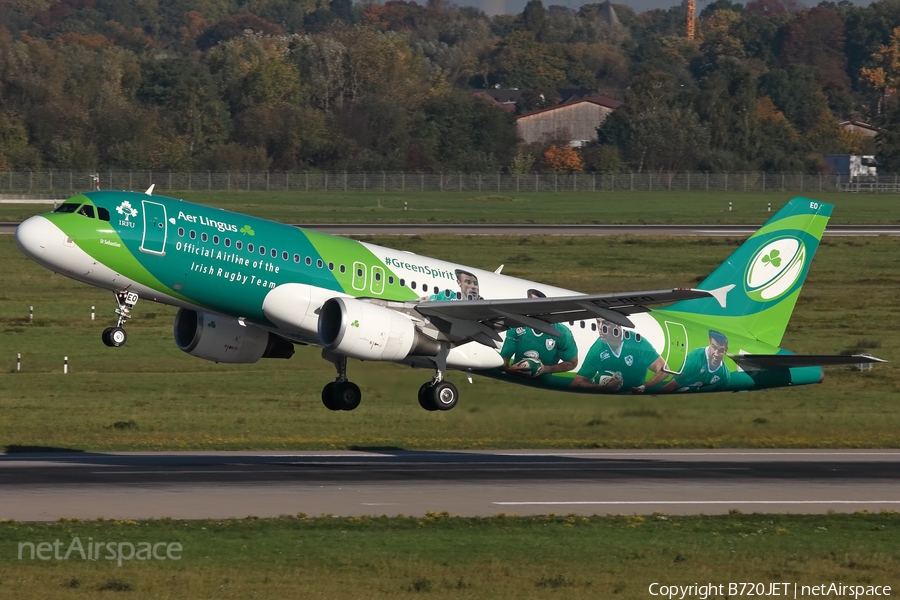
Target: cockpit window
column 68, row 207
column 86, row 210
column 103, row 213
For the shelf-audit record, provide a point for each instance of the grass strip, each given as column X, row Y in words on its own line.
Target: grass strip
column 440, row 556
column 745, row 208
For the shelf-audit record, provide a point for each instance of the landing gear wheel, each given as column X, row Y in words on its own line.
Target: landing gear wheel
column 328, row 397
column 347, row 395
column 444, row 395
column 426, row 400
column 105, row 337
column 117, row 337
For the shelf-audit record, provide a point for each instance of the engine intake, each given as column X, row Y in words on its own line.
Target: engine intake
column 225, row 340
column 370, row 332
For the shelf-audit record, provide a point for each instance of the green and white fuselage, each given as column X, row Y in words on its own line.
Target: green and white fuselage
column 263, row 276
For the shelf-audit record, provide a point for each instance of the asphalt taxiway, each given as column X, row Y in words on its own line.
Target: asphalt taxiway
column 46, row 486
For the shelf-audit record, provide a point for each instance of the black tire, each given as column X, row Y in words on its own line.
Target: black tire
column 426, row 400
column 347, row 395
column 445, row 395
column 105, row 337
column 117, row 337
column 328, row 397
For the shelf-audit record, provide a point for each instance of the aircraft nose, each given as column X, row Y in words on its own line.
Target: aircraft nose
column 33, row 236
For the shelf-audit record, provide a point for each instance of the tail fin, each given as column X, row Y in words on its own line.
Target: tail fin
column 757, row 287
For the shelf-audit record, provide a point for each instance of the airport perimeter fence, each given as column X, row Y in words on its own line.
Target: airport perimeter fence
column 62, row 183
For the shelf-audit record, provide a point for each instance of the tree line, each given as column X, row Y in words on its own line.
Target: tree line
column 331, row 85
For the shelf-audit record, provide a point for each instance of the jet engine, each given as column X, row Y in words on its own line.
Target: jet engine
column 225, row 340
column 371, row 332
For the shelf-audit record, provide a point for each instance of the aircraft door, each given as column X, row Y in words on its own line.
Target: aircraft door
column 676, row 350
column 377, row 281
column 359, row 276
column 155, row 228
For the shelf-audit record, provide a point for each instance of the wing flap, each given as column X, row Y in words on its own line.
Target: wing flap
column 474, row 319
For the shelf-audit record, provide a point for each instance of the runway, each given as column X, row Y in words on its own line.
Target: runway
column 739, row 231
column 190, row 485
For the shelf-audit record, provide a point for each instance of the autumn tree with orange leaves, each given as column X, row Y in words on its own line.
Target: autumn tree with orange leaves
column 562, row 160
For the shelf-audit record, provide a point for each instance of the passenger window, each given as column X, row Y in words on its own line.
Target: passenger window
column 390, row 280
column 102, row 213
column 296, row 258
column 284, row 256
column 239, row 244
column 216, row 240
column 193, row 234
column 86, row 211
column 331, row 266
column 181, row 232
column 402, row 282
column 626, row 334
column 343, row 269
column 249, row 247
column 412, row 285
column 377, row 276
column 459, row 295
column 228, row 242
column 582, row 324
column 262, row 250
column 308, row 261
column 319, row 263
column 594, row 328
column 274, row 253
column 204, row 237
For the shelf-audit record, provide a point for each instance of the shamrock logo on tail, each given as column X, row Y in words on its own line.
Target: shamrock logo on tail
column 247, row 230
column 355, row 323
column 772, row 258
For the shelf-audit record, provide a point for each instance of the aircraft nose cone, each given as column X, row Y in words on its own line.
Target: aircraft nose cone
column 33, row 236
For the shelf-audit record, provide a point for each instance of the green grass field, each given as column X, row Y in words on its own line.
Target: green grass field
column 439, row 556
column 562, row 207
column 149, row 395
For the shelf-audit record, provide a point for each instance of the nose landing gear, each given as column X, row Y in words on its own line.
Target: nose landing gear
column 116, row 336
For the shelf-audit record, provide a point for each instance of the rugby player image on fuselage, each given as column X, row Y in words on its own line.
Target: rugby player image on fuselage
column 535, row 353
column 620, row 359
column 704, row 368
column 468, row 289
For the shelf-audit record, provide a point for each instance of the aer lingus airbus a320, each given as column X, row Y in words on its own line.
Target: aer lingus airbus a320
column 248, row 289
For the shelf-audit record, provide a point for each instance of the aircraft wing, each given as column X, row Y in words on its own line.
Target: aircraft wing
column 480, row 320
column 786, row 361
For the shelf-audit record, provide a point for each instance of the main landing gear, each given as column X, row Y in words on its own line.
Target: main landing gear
column 116, row 336
column 439, row 394
column 340, row 394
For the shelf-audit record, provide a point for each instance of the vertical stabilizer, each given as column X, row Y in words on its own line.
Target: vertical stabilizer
column 757, row 288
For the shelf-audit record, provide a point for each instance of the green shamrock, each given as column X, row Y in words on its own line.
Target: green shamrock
column 355, row 323
column 211, row 325
column 772, row 257
column 246, row 229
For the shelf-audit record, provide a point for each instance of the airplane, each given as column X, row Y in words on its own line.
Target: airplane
column 247, row 288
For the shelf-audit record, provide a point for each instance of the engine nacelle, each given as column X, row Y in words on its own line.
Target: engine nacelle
column 371, row 332
column 225, row 340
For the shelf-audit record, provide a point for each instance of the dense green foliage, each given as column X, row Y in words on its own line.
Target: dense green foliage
column 287, row 84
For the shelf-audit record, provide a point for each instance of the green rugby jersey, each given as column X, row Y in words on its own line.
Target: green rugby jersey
column 524, row 342
column 632, row 361
column 698, row 374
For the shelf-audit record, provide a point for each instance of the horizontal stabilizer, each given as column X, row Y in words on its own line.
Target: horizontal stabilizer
column 787, row 361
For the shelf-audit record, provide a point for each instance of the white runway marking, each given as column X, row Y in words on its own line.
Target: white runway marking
column 608, row 502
